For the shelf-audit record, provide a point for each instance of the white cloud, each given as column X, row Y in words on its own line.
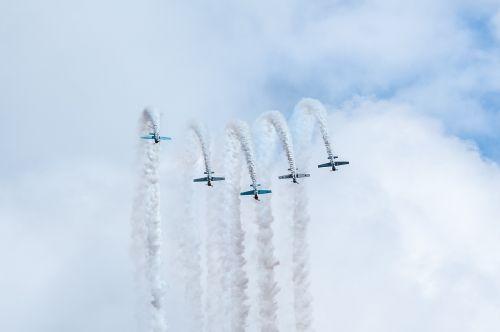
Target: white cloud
column 405, row 237
column 409, row 243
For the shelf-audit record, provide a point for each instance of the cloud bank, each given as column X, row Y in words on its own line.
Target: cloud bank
column 402, row 239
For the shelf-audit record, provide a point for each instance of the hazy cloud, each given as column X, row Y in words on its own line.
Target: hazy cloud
column 404, row 239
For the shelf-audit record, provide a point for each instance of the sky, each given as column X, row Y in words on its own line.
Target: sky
column 405, row 238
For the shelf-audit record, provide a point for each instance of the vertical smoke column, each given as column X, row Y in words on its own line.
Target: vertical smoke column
column 272, row 123
column 307, row 112
column 217, row 260
column 214, row 287
column 189, row 237
column 218, row 252
column 146, row 225
column 237, row 139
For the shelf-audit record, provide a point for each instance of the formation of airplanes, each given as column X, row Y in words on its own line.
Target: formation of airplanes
column 255, row 192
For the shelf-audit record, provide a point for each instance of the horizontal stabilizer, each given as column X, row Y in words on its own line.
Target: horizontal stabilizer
column 247, row 193
column 262, row 192
column 207, row 173
column 325, row 165
column 164, row 138
column 201, row 180
column 289, row 176
column 339, row 163
column 218, row 179
column 303, row 175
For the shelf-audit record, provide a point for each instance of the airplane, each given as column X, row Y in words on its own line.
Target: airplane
column 255, row 192
column 294, row 176
column 333, row 164
column 209, row 178
column 156, row 136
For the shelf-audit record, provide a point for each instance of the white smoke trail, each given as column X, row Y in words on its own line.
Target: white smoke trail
column 226, row 306
column 306, row 113
column 189, row 236
column 237, row 138
column 268, row 288
column 271, row 123
column 306, row 110
column 242, row 133
column 146, row 225
column 278, row 122
column 214, row 286
column 300, row 262
column 201, row 135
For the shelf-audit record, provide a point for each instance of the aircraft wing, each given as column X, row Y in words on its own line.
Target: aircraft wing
column 218, row 179
column 264, row 191
column 164, row 138
column 248, row 193
column 289, row 176
column 339, row 163
column 201, row 180
column 147, row 137
column 325, row 165
column 303, row 175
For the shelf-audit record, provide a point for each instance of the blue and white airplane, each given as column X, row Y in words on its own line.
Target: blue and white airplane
column 156, row 136
column 294, row 176
column 255, row 192
column 333, row 164
column 209, row 178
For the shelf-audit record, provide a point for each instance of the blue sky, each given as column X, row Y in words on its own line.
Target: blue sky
column 438, row 56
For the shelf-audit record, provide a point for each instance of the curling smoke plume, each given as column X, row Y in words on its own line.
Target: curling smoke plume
column 227, row 282
column 242, row 134
column 306, row 114
column 146, row 227
column 189, row 228
column 202, row 138
column 276, row 120
column 271, row 123
column 237, row 139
